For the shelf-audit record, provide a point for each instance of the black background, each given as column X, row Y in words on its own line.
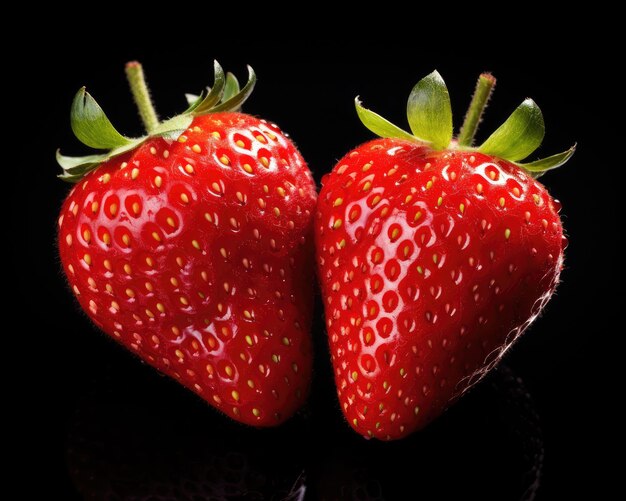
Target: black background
column 61, row 367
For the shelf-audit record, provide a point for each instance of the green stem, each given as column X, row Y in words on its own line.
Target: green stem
column 484, row 88
column 141, row 94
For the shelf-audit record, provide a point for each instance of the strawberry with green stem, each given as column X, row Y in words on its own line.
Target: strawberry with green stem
column 190, row 246
column 433, row 256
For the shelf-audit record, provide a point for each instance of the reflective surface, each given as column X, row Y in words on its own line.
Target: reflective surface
column 126, row 445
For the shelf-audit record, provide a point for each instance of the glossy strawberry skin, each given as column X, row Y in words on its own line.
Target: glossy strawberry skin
column 431, row 264
column 196, row 255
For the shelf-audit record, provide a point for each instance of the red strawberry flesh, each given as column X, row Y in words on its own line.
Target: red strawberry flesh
column 196, row 255
column 431, row 264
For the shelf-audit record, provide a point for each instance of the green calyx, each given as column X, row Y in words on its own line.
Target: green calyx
column 429, row 115
column 92, row 127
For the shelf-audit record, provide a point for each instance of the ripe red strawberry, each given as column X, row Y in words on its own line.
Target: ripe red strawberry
column 433, row 257
column 191, row 247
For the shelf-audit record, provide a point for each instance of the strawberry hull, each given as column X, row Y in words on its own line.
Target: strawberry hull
column 431, row 263
column 195, row 254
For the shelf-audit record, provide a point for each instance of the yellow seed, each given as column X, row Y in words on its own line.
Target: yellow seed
column 182, row 139
column 87, row 259
column 160, row 307
column 149, row 313
column 265, row 161
column 429, row 185
column 68, row 239
column 367, row 186
column 158, row 181
column 479, row 188
column 235, row 395
column 337, row 202
column 184, row 198
column 281, row 191
column 196, row 244
column 395, row 233
column 418, row 214
column 156, row 236
column 248, row 168
column 130, row 293
column 240, row 143
column 229, row 371
column 286, row 341
column 94, row 207
column 249, row 340
column 225, row 160
column 337, row 224
column 134, row 173
column 106, row 178
column 171, row 222
column 196, row 148
column 189, row 169
column 184, row 300
column 462, row 208
column 216, row 135
column 250, row 383
column 507, row 233
column 276, row 211
column 355, row 375
column 260, row 138
column 216, row 187
column 136, row 208
column 256, row 412
column 175, row 330
column 501, row 201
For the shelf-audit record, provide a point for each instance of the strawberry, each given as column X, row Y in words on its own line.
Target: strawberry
column 433, row 256
column 190, row 247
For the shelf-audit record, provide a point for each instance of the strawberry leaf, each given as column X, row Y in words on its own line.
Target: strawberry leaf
column 91, row 126
column 68, row 163
column 216, row 92
column 519, row 136
column 429, row 111
column 231, row 88
column 235, row 102
column 539, row 167
column 379, row 125
column 174, row 127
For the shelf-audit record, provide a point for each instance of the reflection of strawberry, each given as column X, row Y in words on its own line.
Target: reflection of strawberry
column 434, row 256
column 191, row 247
column 201, row 457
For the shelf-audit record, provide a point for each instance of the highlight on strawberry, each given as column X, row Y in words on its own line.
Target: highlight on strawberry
column 191, row 246
column 434, row 255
